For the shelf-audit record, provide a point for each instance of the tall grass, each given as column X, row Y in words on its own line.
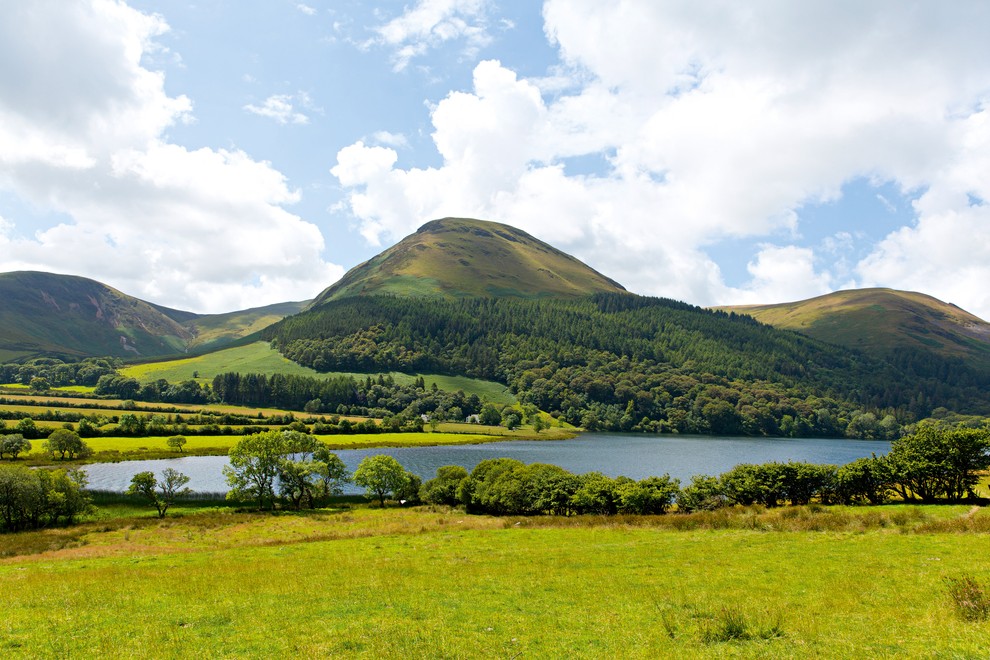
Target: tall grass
column 969, row 600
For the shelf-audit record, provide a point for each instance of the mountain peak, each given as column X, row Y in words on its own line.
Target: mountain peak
column 463, row 257
column 880, row 320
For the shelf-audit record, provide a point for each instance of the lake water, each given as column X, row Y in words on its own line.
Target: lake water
column 614, row 454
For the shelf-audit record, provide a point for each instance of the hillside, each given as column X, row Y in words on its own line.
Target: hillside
column 75, row 317
column 883, row 321
column 216, row 330
column 42, row 313
column 457, row 258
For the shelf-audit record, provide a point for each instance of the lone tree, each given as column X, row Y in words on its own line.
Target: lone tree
column 380, row 475
column 13, row 444
column 159, row 493
column 66, row 443
column 177, row 442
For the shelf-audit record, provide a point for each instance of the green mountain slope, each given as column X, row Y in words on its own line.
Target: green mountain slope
column 457, row 258
column 42, row 313
column 623, row 362
column 217, row 330
column 74, row 317
column 883, row 321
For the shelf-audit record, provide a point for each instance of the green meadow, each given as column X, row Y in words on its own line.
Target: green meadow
column 148, row 447
column 124, row 448
column 260, row 358
column 824, row 582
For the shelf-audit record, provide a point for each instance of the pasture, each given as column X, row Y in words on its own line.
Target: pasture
column 147, row 447
column 361, row 581
column 260, row 358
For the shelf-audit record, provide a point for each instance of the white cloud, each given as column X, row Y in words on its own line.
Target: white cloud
column 83, row 134
column 782, row 274
column 280, row 108
column 306, row 9
column 716, row 120
column 397, row 140
column 947, row 252
column 431, row 23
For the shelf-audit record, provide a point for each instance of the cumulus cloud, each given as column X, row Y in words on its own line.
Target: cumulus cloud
column 431, row 23
column 714, row 120
column 783, row 274
column 946, row 253
column 83, row 135
column 280, row 108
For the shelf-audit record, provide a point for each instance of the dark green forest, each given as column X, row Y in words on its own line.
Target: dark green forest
column 625, row 362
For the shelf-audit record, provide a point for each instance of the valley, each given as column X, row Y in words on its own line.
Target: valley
column 471, row 332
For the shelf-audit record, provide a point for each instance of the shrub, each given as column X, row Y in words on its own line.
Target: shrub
column 652, row 495
column 408, row 493
column 704, row 493
column 863, row 480
column 443, row 488
column 596, row 493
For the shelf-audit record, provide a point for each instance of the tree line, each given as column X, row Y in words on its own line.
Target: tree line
column 934, row 464
column 30, row 499
column 294, row 470
column 45, row 373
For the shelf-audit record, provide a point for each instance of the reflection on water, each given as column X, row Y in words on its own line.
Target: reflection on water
column 635, row 456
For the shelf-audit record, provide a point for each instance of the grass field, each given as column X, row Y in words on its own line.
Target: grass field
column 365, row 582
column 31, row 403
column 107, row 449
column 253, row 358
column 260, row 358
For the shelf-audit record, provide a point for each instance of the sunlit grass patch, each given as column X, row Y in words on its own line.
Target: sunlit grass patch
column 434, row 582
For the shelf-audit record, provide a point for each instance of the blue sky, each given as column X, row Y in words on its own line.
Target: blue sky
column 217, row 155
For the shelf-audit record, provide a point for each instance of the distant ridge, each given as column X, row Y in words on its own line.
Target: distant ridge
column 460, row 257
column 74, row 317
column 882, row 321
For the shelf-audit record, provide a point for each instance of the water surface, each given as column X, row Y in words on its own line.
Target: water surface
column 632, row 455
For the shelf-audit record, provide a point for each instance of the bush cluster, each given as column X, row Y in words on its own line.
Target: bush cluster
column 937, row 463
column 505, row 486
column 30, row 499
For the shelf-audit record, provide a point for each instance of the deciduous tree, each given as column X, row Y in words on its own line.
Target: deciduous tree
column 67, row 444
column 381, row 475
column 161, row 494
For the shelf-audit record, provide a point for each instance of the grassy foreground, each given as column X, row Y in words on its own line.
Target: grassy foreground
column 437, row 583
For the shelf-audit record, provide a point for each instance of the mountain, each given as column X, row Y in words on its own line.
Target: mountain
column 885, row 322
column 458, row 258
column 217, row 330
column 75, row 317
column 480, row 299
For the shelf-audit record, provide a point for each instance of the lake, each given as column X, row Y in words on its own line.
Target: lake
column 635, row 456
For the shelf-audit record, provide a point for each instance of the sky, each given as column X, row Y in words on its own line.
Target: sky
column 224, row 154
